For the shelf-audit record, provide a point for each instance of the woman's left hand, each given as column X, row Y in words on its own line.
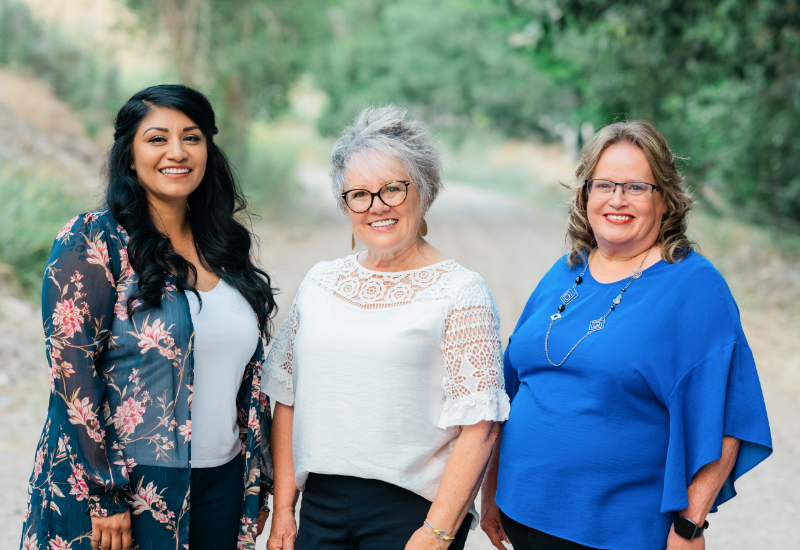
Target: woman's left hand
column 676, row 542
column 263, row 515
column 424, row 539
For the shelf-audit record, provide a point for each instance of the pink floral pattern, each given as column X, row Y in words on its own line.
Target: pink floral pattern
column 186, row 431
column 65, row 231
column 129, row 415
column 122, row 394
column 68, row 317
column 59, row 544
column 77, row 483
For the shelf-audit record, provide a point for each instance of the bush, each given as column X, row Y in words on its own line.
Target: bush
column 76, row 75
column 34, row 208
column 268, row 174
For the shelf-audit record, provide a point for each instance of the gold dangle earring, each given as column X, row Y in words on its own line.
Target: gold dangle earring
column 423, row 227
column 353, row 241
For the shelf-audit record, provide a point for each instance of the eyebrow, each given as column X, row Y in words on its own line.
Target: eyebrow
column 165, row 130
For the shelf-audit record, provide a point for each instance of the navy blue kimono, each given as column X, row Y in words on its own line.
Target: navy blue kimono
column 119, row 424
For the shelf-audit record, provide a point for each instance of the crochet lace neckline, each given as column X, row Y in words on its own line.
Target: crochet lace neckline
column 361, row 266
column 364, row 288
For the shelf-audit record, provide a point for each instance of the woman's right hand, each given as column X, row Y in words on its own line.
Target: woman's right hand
column 490, row 523
column 283, row 531
column 113, row 532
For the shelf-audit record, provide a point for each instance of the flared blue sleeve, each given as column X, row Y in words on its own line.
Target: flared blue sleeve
column 720, row 395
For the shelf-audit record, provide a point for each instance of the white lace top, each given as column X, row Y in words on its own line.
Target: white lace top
column 383, row 368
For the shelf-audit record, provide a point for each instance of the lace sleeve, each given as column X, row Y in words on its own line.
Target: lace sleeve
column 473, row 360
column 278, row 369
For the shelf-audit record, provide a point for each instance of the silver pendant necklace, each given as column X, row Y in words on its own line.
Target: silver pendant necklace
column 597, row 324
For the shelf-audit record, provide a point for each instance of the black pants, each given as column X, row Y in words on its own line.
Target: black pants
column 216, row 507
column 523, row 537
column 351, row 513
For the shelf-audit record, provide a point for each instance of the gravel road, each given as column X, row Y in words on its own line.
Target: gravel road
column 511, row 245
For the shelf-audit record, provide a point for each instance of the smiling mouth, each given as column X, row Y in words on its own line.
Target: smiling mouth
column 383, row 223
column 619, row 217
column 175, row 170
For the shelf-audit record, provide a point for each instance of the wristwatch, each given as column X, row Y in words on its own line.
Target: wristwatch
column 688, row 529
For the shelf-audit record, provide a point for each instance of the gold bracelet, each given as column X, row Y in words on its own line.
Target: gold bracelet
column 441, row 535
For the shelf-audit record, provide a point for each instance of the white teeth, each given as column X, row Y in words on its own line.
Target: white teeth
column 174, row 170
column 383, row 223
column 619, row 218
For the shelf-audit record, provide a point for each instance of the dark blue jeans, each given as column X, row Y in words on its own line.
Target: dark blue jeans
column 351, row 513
column 216, row 507
column 523, row 537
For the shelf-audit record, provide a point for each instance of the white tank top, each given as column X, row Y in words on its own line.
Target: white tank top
column 225, row 339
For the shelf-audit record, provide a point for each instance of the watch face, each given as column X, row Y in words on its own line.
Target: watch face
column 685, row 527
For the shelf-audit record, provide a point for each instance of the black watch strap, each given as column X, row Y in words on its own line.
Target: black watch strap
column 688, row 529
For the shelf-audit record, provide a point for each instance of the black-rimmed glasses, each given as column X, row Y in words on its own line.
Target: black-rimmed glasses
column 632, row 189
column 393, row 193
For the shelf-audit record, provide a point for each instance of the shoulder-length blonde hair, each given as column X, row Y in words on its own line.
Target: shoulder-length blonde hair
column 675, row 245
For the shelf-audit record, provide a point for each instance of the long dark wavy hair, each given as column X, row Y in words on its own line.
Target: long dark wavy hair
column 222, row 242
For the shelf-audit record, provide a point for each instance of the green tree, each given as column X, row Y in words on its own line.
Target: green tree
column 449, row 60
column 245, row 54
column 76, row 75
column 721, row 78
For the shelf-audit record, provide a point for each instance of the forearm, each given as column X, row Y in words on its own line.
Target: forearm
column 708, row 481
column 489, row 485
column 285, row 492
column 462, row 476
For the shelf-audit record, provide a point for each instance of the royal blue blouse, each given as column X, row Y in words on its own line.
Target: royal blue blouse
column 601, row 450
column 118, row 433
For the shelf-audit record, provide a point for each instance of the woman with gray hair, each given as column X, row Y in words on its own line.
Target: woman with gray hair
column 387, row 372
column 635, row 398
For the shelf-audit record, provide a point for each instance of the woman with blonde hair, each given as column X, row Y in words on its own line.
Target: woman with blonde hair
column 635, row 398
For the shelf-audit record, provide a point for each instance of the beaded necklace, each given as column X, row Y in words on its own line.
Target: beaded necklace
column 597, row 324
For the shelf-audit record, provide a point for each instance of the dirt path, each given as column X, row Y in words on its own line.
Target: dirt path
column 511, row 245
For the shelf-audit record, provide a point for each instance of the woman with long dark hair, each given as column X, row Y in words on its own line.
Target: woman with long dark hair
column 155, row 319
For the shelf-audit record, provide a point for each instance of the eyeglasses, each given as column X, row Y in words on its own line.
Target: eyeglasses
column 631, row 189
column 393, row 193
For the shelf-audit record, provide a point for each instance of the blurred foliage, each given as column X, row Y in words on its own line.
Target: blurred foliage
column 448, row 60
column 76, row 75
column 245, row 54
column 721, row 78
column 34, row 208
column 268, row 173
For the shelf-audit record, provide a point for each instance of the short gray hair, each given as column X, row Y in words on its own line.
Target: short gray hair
column 385, row 132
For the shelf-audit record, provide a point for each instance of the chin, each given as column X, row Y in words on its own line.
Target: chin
column 384, row 243
column 177, row 192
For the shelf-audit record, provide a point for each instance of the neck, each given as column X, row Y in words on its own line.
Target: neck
column 608, row 266
column 415, row 255
column 170, row 218
column 614, row 256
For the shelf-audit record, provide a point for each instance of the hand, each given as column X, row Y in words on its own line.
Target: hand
column 283, row 531
column 490, row 523
column 677, row 542
column 112, row 533
column 424, row 539
column 262, row 520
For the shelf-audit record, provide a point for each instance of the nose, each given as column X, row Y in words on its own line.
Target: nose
column 618, row 199
column 378, row 207
column 177, row 151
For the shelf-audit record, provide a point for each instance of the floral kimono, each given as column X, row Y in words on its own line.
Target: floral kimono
column 119, row 424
